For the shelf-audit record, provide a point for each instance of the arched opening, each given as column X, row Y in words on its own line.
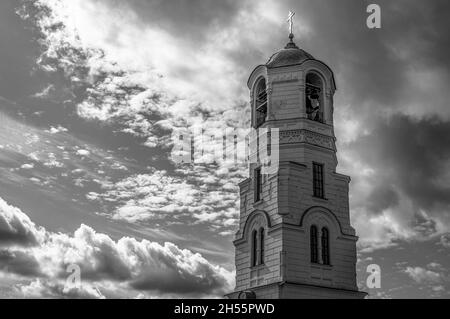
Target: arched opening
column 325, row 246
column 314, row 97
column 260, row 103
column 254, row 255
column 262, row 243
column 314, row 245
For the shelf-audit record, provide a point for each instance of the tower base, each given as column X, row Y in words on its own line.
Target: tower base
column 292, row 290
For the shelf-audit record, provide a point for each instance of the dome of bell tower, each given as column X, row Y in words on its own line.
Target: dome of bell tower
column 290, row 55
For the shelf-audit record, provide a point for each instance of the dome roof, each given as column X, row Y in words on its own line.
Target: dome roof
column 290, row 55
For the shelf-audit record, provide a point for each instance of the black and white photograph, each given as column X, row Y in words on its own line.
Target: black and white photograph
column 224, row 150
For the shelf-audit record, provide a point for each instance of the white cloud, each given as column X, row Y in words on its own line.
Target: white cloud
column 422, row 275
column 83, row 152
column 56, row 130
column 27, row 166
column 52, row 161
column 193, row 194
column 433, row 277
column 45, row 92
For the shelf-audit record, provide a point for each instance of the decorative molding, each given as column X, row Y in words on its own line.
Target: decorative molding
column 258, row 218
column 323, row 211
column 305, row 136
column 258, row 222
column 285, row 77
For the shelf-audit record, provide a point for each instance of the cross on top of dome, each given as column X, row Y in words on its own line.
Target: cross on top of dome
column 290, row 20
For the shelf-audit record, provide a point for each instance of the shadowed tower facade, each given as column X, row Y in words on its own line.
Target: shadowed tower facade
column 295, row 239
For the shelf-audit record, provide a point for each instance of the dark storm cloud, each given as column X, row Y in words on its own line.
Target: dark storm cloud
column 170, row 280
column 143, row 265
column 401, row 68
column 19, row 263
column 382, row 197
column 425, row 27
column 358, row 56
column 411, row 156
column 16, row 229
column 371, row 65
column 18, row 54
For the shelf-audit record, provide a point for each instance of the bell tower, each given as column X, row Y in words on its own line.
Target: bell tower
column 295, row 239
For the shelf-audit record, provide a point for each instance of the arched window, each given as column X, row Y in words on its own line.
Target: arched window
column 325, row 246
column 260, row 103
column 262, row 243
column 314, row 97
column 254, row 248
column 314, row 245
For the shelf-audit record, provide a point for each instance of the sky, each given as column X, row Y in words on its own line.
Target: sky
column 92, row 93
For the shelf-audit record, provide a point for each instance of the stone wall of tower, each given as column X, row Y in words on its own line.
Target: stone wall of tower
column 286, row 198
column 298, row 179
column 293, row 291
column 262, row 214
column 295, row 199
column 286, row 93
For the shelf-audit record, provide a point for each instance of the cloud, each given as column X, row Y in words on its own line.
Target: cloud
column 445, row 240
column 396, row 69
column 158, row 79
column 45, row 92
column 422, row 275
column 434, row 278
column 400, row 181
column 19, row 263
column 56, row 130
column 16, row 228
column 83, row 152
column 193, row 194
column 412, row 155
column 39, row 289
column 27, row 166
column 150, row 68
column 394, row 147
column 43, row 153
column 140, row 265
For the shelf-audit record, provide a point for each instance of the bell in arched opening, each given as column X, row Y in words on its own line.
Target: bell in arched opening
column 314, row 97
